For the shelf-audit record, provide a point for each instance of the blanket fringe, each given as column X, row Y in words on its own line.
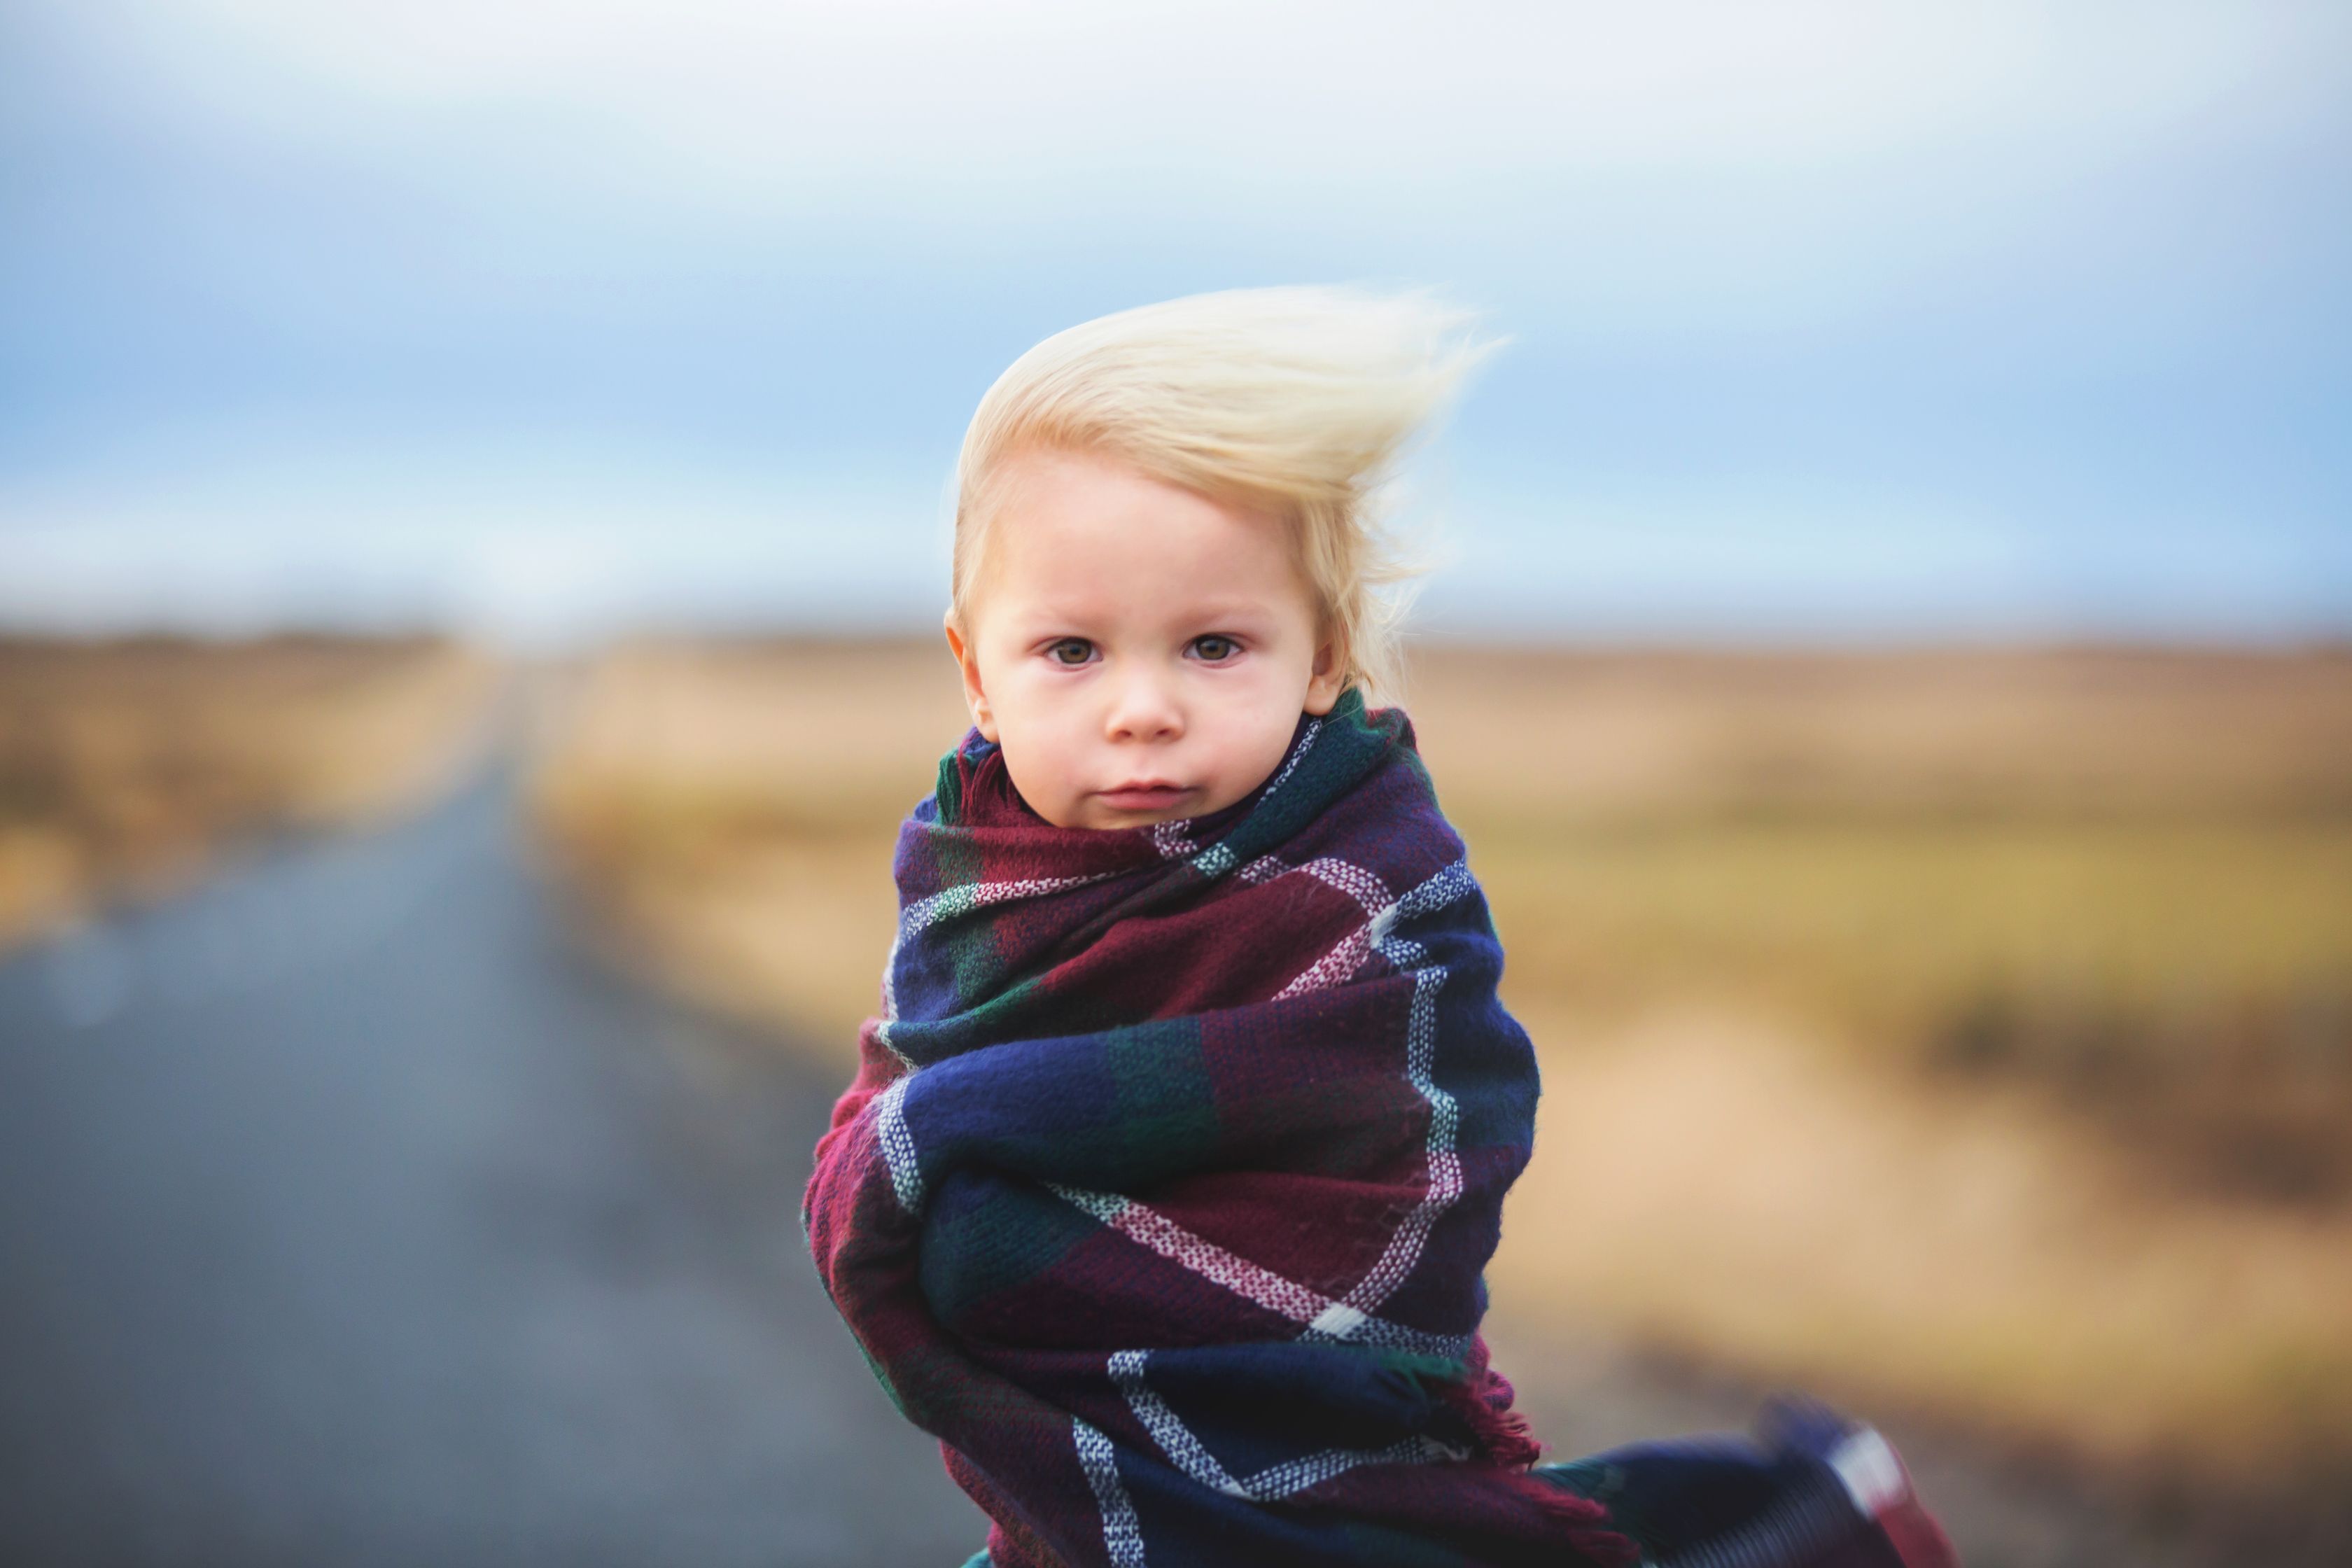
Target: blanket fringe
column 1501, row 1431
column 1484, row 1400
column 1586, row 1527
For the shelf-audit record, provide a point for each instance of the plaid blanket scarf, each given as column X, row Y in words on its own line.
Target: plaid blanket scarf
column 1163, row 1191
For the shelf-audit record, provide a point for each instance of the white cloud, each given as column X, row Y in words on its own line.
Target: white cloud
column 746, row 93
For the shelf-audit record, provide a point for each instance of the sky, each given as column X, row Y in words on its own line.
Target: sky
column 1826, row 322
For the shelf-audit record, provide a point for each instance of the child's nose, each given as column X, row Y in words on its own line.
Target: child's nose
column 1142, row 708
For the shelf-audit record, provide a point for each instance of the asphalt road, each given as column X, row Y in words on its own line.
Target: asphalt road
column 349, row 1214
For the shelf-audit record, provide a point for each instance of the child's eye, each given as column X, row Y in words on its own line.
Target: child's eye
column 1070, row 651
column 1215, row 648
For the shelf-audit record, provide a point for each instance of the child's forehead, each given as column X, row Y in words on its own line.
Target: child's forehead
column 1134, row 589
column 1084, row 534
column 1085, row 481
column 1110, row 607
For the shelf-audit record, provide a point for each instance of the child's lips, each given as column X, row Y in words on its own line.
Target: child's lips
column 1147, row 796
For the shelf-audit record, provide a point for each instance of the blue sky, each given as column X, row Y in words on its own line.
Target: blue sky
column 1828, row 321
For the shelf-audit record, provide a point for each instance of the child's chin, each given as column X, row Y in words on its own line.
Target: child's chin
column 1116, row 821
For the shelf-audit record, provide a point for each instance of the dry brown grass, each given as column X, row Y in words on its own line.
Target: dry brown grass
column 2099, row 732
column 728, row 811
column 1969, row 1030
column 124, row 766
column 1709, row 1181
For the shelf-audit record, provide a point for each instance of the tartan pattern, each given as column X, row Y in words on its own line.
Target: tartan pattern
column 1811, row 1488
column 1175, row 1153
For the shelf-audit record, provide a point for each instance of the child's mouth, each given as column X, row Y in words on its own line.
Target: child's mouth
column 1143, row 797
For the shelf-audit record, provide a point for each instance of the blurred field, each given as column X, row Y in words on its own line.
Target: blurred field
column 1970, row 1032
column 728, row 813
column 126, row 767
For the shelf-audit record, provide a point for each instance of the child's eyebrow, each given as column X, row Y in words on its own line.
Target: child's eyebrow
column 1205, row 615
column 1220, row 610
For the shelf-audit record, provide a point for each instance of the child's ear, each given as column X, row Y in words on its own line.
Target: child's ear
column 967, row 664
column 1327, row 675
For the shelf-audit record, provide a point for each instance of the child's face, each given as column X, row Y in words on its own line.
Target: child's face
column 1141, row 651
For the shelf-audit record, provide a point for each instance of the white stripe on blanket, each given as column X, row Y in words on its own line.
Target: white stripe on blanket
column 1175, row 1439
column 959, row 900
column 1187, row 1453
column 899, row 1145
column 1371, row 895
column 1319, row 1316
column 1122, row 1533
column 1297, row 754
column 1281, row 1480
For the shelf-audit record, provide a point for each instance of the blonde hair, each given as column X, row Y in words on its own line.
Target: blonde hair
column 1299, row 401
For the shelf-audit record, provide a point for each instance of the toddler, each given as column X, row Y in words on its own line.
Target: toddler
column 1179, row 1142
